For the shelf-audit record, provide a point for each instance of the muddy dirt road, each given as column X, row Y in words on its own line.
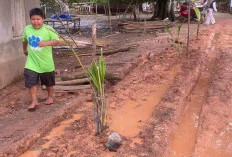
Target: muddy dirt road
column 166, row 105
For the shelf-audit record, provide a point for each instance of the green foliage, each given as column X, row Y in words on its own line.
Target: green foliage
column 96, row 73
column 50, row 3
column 168, row 30
column 198, row 13
column 179, row 46
column 175, row 40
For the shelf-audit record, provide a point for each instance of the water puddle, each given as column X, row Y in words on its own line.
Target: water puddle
column 183, row 141
column 129, row 120
column 55, row 132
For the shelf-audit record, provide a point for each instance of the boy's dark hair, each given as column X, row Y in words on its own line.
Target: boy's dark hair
column 36, row 11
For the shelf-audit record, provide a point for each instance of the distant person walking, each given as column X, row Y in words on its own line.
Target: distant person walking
column 211, row 6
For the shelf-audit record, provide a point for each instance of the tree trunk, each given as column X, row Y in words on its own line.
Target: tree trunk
column 164, row 9
column 134, row 13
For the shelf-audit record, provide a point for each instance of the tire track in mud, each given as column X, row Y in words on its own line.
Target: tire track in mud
column 183, row 141
column 215, row 136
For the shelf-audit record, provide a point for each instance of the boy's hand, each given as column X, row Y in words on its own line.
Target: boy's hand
column 42, row 44
column 25, row 52
column 48, row 43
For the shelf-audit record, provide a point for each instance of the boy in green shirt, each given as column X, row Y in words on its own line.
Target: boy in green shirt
column 38, row 40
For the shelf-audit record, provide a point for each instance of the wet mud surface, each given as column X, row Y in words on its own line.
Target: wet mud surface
column 166, row 102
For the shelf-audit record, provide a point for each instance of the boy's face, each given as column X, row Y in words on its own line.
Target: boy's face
column 37, row 21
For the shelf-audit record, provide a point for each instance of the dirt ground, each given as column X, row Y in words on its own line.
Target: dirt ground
column 165, row 106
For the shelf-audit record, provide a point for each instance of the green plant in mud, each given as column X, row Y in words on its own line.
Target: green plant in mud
column 175, row 40
column 198, row 13
column 96, row 73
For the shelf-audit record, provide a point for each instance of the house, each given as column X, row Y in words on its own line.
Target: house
column 14, row 17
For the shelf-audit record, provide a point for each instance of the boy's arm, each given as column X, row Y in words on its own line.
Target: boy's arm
column 48, row 43
column 25, row 48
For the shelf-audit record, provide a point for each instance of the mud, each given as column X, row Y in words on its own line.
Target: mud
column 186, row 134
column 129, row 120
column 165, row 102
column 59, row 130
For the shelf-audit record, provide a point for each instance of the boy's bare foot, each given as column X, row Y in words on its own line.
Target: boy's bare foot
column 49, row 101
column 33, row 106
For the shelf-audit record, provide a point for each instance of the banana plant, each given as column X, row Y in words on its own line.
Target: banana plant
column 175, row 40
column 198, row 13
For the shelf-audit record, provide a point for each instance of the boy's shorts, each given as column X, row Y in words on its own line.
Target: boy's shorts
column 32, row 78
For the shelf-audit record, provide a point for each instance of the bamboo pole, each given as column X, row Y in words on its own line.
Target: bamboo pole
column 189, row 8
column 94, row 39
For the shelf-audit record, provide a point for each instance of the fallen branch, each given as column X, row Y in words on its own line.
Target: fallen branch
column 112, row 51
column 109, row 52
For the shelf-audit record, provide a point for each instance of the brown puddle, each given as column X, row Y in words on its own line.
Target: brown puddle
column 54, row 133
column 129, row 120
column 183, row 141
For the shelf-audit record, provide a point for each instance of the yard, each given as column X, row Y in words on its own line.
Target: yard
column 162, row 103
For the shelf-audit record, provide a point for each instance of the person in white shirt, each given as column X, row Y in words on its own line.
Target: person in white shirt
column 211, row 6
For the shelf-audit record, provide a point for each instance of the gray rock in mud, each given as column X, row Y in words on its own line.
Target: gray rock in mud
column 114, row 141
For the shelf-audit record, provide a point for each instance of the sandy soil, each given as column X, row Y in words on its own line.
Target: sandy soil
column 166, row 102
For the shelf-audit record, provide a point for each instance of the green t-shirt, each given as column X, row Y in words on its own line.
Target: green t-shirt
column 39, row 59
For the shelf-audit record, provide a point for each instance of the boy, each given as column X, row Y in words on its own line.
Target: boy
column 38, row 40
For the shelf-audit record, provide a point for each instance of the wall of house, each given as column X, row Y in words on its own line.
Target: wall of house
column 29, row 4
column 12, row 59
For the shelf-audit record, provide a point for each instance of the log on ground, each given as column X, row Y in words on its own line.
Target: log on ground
column 72, row 88
column 73, row 82
column 109, row 76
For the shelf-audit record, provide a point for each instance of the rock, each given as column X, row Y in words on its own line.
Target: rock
column 151, row 56
column 114, row 141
